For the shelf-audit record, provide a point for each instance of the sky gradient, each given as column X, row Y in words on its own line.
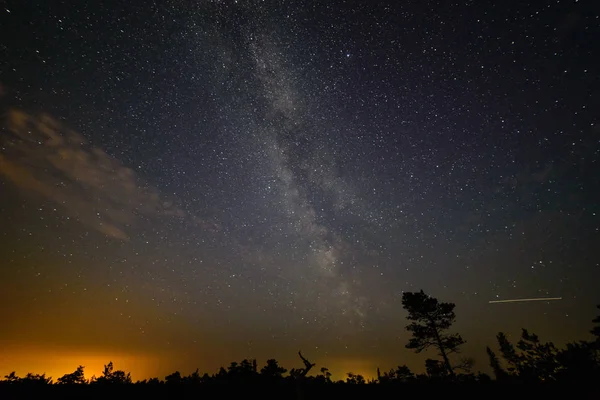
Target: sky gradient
column 189, row 183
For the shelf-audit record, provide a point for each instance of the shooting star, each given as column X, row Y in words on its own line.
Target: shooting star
column 522, row 300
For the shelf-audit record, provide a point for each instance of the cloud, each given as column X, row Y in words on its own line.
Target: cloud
column 42, row 156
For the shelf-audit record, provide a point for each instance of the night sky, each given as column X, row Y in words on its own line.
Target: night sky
column 188, row 183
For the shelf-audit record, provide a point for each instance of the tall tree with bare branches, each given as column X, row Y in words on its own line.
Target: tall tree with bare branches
column 431, row 319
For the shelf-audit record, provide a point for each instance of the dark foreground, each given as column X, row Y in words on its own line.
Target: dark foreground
column 490, row 390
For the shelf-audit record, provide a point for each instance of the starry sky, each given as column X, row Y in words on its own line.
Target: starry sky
column 188, row 183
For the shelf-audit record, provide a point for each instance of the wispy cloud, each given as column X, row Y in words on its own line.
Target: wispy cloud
column 42, row 156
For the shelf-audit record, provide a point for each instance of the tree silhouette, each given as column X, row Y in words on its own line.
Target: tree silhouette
column 536, row 361
column 401, row 374
column 326, row 374
column 243, row 371
column 12, row 378
column 173, row 379
column 272, row 369
column 301, row 373
column 110, row 376
column 596, row 329
column 509, row 353
column 35, row 379
column 499, row 372
column 74, row 378
column 579, row 361
column 436, row 368
column 431, row 318
column 540, row 358
column 465, row 365
column 153, row 381
column 194, row 378
column 29, row 379
column 221, row 375
column 355, row 379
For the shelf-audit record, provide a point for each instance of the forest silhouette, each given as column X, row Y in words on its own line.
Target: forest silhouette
column 529, row 361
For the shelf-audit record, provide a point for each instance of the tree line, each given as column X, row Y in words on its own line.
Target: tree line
column 528, row 361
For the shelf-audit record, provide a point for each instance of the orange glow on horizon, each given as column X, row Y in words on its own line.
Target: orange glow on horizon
column 339, row 368
column 56, row 363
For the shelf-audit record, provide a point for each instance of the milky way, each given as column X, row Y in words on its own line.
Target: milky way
column 226, row 179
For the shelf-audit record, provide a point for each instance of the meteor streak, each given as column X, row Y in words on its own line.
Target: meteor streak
column 521, row 300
